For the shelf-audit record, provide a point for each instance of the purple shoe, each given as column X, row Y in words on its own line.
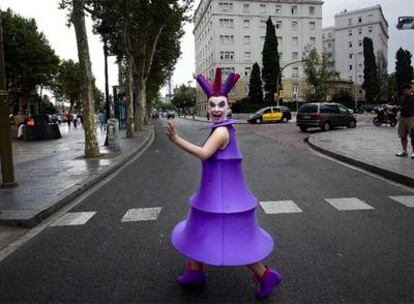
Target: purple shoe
column 192, row 277
column 268, row 281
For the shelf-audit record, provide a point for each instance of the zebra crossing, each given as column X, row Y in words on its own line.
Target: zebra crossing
column 269, row 207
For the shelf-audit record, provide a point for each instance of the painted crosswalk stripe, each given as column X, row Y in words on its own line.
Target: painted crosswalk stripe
column 74, row 219
column 274, row 207
column 406, row 200
column 141, row 214
column 348, row 203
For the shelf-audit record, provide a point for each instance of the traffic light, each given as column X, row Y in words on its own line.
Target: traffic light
column 405, row 23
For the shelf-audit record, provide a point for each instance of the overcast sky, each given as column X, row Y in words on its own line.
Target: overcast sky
column 51, row 21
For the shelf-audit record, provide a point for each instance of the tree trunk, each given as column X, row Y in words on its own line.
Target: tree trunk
column 78, row 20
column 129, row 101
column 140, row 90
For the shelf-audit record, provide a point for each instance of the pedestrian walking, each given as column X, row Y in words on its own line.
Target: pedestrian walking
column 102, row 120
column 406, row 121
column 221, row 227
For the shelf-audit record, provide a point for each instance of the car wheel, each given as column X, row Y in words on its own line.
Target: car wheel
column 258, row 120
column 326, row 126
column 352, row 124
column 303, row 129
column 285, row 119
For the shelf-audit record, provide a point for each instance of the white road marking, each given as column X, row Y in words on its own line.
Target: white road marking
column 406, row 200
column 74, row 219
column 348, row 203
column 141, row 214
column 273, row 207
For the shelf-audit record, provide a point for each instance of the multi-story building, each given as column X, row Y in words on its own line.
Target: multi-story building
column 230, row 34
column 345, row 42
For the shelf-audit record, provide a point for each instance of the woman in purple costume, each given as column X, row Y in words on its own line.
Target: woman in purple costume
column 221, row 227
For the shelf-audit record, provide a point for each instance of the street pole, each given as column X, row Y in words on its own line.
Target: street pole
column 6, row 155
column 107, row 109
column 279, row 75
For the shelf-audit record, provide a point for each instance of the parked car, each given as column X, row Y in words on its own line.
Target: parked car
column 270, row 114
column 325, row 116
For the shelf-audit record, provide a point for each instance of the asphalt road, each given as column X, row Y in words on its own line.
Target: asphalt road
column 325, row 255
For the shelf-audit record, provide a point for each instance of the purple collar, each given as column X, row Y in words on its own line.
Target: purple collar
column 224, row 123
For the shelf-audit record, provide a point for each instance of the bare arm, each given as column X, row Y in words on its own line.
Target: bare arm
column 218, row 140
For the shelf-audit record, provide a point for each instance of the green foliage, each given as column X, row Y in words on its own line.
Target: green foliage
column 271, row 65
column 370, row 84
column 255, row 85
column 403, row 67
column 29, row 60
column 184, row 96
column 67, row 83
column 343, row 96
column 320, row 72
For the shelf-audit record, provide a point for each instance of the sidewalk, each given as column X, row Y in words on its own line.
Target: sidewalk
column 52, row 173
column 368, row 147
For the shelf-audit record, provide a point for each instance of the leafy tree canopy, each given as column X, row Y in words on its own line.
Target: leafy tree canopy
column 29, row 60
column 184, row 96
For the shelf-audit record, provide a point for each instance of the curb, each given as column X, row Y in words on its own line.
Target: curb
column 67, row 195
column 399, row 178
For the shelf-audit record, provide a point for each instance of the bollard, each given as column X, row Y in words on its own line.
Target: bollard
column 113, row 134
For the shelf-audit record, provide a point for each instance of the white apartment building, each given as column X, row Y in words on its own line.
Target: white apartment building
column 345, row 42
column 230, row 34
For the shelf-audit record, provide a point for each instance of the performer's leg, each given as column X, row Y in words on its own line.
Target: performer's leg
column 267, row 277
column 194, row 274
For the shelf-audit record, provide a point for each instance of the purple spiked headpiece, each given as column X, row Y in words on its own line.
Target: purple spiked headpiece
column 216, row 89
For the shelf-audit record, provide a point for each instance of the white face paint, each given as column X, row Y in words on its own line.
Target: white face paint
column 217, row 108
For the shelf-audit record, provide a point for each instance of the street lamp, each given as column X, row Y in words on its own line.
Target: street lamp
column 279, row 75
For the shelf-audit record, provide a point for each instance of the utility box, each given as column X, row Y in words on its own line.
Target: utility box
column 113, row 134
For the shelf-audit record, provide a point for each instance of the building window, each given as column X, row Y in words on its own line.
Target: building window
column 246, row 39
column 294, row 10
column 280, row 56
column 227, row 55
column 295, row 56
column 263, row 8
column 227, row 39
column 350, row 21
column 370, row 29
column 247, row 71
column 246, row 7
column 247, row 55
column 279, row 25
column 312, row 25
column 295, row 40
column 295, row 89
column 311, row 10
column 226, row 23
column 294, row 25
column 262, row 23
column 360, row 31
column 295, row 72
column 279, row 40
column 350, row 56
column 359, row 19
column 350, row 44
column 278, row 9
column 225, row 6
column 312, row 40
column 360, row 43
column 246, row 23
column 349, row 32
column 350, row 67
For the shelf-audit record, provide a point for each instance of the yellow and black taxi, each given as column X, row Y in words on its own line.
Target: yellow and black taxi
column 270, row 114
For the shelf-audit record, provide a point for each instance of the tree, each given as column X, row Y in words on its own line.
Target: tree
column 370, row 84
column 139, row 25
column 77, row 18
column 255, row 85
column 66, row 84
column 320, row 72
column 271, row 65
column 29, row 60
column 184, row 96
column 403, row 67
column 382, row 68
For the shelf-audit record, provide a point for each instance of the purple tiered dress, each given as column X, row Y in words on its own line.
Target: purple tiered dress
column 221, row 227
